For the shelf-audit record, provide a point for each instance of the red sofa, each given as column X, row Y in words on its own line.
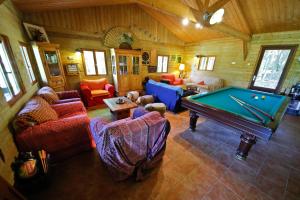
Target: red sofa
column 60, row 129
column 94, row 91
column 171, row 79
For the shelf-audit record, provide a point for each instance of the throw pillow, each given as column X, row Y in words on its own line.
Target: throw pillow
column 201, row 83
column 48, row 94
column 36, row 111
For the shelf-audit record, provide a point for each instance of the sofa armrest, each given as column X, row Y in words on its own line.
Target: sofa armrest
column 167, row 81
column 110, row 88
column 67, row 100
column 55, row 135
column 68, row 94
column 86, row 91
column 68, row 108
column 178, row 81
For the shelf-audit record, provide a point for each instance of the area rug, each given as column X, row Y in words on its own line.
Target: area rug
column 210, row 135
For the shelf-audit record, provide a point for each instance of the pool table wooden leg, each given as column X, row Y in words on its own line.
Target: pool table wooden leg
column 193, row 120
column 247, row 141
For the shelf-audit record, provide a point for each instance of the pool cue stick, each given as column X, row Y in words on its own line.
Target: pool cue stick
column 259, row 110
column 251, row 111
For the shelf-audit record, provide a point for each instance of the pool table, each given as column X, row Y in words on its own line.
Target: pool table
column 219, row 106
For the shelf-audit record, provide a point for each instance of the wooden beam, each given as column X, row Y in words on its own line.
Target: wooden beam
column 245, row 49
column 43, row 5
column 217, row 5
column 228, row 30
column 206, row 4
column 173, row 7
column 71, row 33
column 237, row 4
column 200, row 5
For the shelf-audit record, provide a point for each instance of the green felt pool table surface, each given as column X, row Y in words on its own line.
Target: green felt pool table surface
column 220, row 99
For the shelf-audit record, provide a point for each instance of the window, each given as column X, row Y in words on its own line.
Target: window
column 27, row 63
column 272, row 66
column 94, row 62
column 8, row 79
column 162, row 63
column 207, row 63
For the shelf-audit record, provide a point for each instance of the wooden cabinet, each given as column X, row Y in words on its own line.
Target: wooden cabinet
column 127, row 70
column 50, row 66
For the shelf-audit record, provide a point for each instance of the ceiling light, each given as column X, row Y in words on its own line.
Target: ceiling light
column 185, row 21
column 198, row 26
column 217, row 17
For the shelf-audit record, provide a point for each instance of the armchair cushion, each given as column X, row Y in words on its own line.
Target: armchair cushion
column 36, row 111
column 69, row 108
column 48, row 94
column 99, row 93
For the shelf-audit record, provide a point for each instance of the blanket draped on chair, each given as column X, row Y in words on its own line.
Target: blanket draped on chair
column 130, row 146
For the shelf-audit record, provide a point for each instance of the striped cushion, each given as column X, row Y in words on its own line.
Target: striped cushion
column 36, row 111
column 48, row 94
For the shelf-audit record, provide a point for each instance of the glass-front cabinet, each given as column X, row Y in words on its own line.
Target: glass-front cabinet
column 126, row 68
column 49, row 64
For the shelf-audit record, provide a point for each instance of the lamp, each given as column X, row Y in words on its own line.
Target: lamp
column 181, row 70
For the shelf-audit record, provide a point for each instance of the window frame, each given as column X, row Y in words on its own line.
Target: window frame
column 95, row 62
column 24, row 44
column 206, row 64
column 162, row 66
column 15, row 70
column 293, row 49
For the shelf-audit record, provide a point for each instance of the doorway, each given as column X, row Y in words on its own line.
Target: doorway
column 272, row 66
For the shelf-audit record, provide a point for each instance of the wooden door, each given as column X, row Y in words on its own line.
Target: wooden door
column 272, row 67
column 136, row 73
column 123, row 73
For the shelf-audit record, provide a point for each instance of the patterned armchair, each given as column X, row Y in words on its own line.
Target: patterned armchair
column 60, row 129
column 171, row 79
column 94, row 91
column 129, row 146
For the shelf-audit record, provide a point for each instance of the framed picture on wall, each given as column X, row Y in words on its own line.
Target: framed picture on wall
column 36, row 33
column 172, row 58
column 178, row 59
column 72, row 69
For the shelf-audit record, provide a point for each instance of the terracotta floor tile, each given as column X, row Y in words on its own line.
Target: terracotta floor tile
column 221, row 192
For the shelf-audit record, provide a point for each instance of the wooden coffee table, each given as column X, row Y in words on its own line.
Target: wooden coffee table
column 119, row 111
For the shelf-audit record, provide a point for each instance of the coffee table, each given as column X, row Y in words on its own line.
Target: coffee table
column 120, row 111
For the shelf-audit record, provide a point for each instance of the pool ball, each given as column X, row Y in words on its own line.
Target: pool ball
column 256, row 97
column 253, row 95
column 263, row 97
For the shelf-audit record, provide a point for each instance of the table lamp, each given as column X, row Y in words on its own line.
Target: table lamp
column 181, row 70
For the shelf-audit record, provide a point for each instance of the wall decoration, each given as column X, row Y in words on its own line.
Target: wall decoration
column 152, row 69
column 172, row 58
column 178, row 59
column 36, row 33
column 126, row 40
column 145, row 57
column 117, row 35
column 72, row 69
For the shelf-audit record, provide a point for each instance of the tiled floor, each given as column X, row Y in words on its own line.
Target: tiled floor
column 208, row 171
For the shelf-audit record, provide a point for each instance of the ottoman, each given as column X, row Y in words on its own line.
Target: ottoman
column 159, row 107
column 144, row 100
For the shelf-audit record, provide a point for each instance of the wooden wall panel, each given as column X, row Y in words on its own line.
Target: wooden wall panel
column 11, row 25
column 68, row 46
column 101, row 19
column 228, row 51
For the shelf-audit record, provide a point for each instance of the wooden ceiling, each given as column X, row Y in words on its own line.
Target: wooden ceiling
column 242, row 17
